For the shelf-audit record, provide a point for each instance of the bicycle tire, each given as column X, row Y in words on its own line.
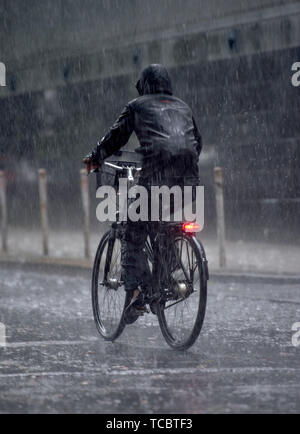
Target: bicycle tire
column 203, row 277
column 95, row 293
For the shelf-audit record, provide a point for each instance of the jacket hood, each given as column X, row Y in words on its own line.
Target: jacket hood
column 154, row 79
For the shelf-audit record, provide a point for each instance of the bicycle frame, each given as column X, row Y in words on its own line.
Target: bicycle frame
column 160, row 234
column 175, row 257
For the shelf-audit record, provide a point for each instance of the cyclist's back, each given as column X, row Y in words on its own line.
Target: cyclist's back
column 170, row 143
column 165, row 129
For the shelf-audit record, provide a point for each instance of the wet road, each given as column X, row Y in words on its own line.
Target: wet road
column 54, row 361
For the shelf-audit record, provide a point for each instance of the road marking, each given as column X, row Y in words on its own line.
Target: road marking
column 49, row 343
column 160, row 371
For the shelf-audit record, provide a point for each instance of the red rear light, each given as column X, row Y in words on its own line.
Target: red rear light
column 191, row 227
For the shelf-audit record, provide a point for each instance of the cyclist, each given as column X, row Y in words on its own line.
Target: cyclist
column 170, row 145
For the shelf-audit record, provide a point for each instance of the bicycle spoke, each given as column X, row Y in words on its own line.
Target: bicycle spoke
column 188, row 256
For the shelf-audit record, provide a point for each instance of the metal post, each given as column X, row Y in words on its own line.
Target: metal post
column 86, row 211
column 44, row 209
column 2, row 335
column 220, row 215
column 3, row 204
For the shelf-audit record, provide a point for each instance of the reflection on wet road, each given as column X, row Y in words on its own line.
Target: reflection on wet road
column 54, row 361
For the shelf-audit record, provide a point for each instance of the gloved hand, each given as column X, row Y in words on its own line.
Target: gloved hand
column 91, row 166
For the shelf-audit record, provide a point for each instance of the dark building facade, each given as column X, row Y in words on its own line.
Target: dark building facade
column 231, row 61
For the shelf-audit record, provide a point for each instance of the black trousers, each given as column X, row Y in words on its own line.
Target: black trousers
column 135, row 267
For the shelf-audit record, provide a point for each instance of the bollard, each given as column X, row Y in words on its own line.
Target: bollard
column 3, row 205
column 86, row 211
column 220, row 215
column 44, row 209
column 2, row 335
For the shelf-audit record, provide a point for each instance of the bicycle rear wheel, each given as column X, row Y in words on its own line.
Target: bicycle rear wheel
column 183, row 285
column 109, row 298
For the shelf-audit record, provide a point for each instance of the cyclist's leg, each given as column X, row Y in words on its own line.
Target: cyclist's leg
column 135, row 267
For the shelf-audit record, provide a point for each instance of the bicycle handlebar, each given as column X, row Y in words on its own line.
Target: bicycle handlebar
column 124, row 166
column 130, row 169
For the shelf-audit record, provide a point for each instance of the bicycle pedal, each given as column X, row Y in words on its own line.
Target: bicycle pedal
column 142, row 311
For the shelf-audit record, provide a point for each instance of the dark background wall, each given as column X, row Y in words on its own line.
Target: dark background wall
column 71, row 66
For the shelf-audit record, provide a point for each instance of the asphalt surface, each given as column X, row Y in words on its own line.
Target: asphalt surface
column 55, row 362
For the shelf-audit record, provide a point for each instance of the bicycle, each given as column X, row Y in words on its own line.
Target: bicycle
column 179, row 268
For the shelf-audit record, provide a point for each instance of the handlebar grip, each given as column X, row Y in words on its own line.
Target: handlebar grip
column 94, row 168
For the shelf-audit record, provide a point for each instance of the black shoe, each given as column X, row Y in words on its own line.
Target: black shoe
column 130, row 316
column 136, row 308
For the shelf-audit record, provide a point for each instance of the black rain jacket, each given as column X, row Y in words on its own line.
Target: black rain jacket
column 170, row 143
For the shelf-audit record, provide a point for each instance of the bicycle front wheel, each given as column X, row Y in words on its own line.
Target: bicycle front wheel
column 108, row 294
column 183, row 285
